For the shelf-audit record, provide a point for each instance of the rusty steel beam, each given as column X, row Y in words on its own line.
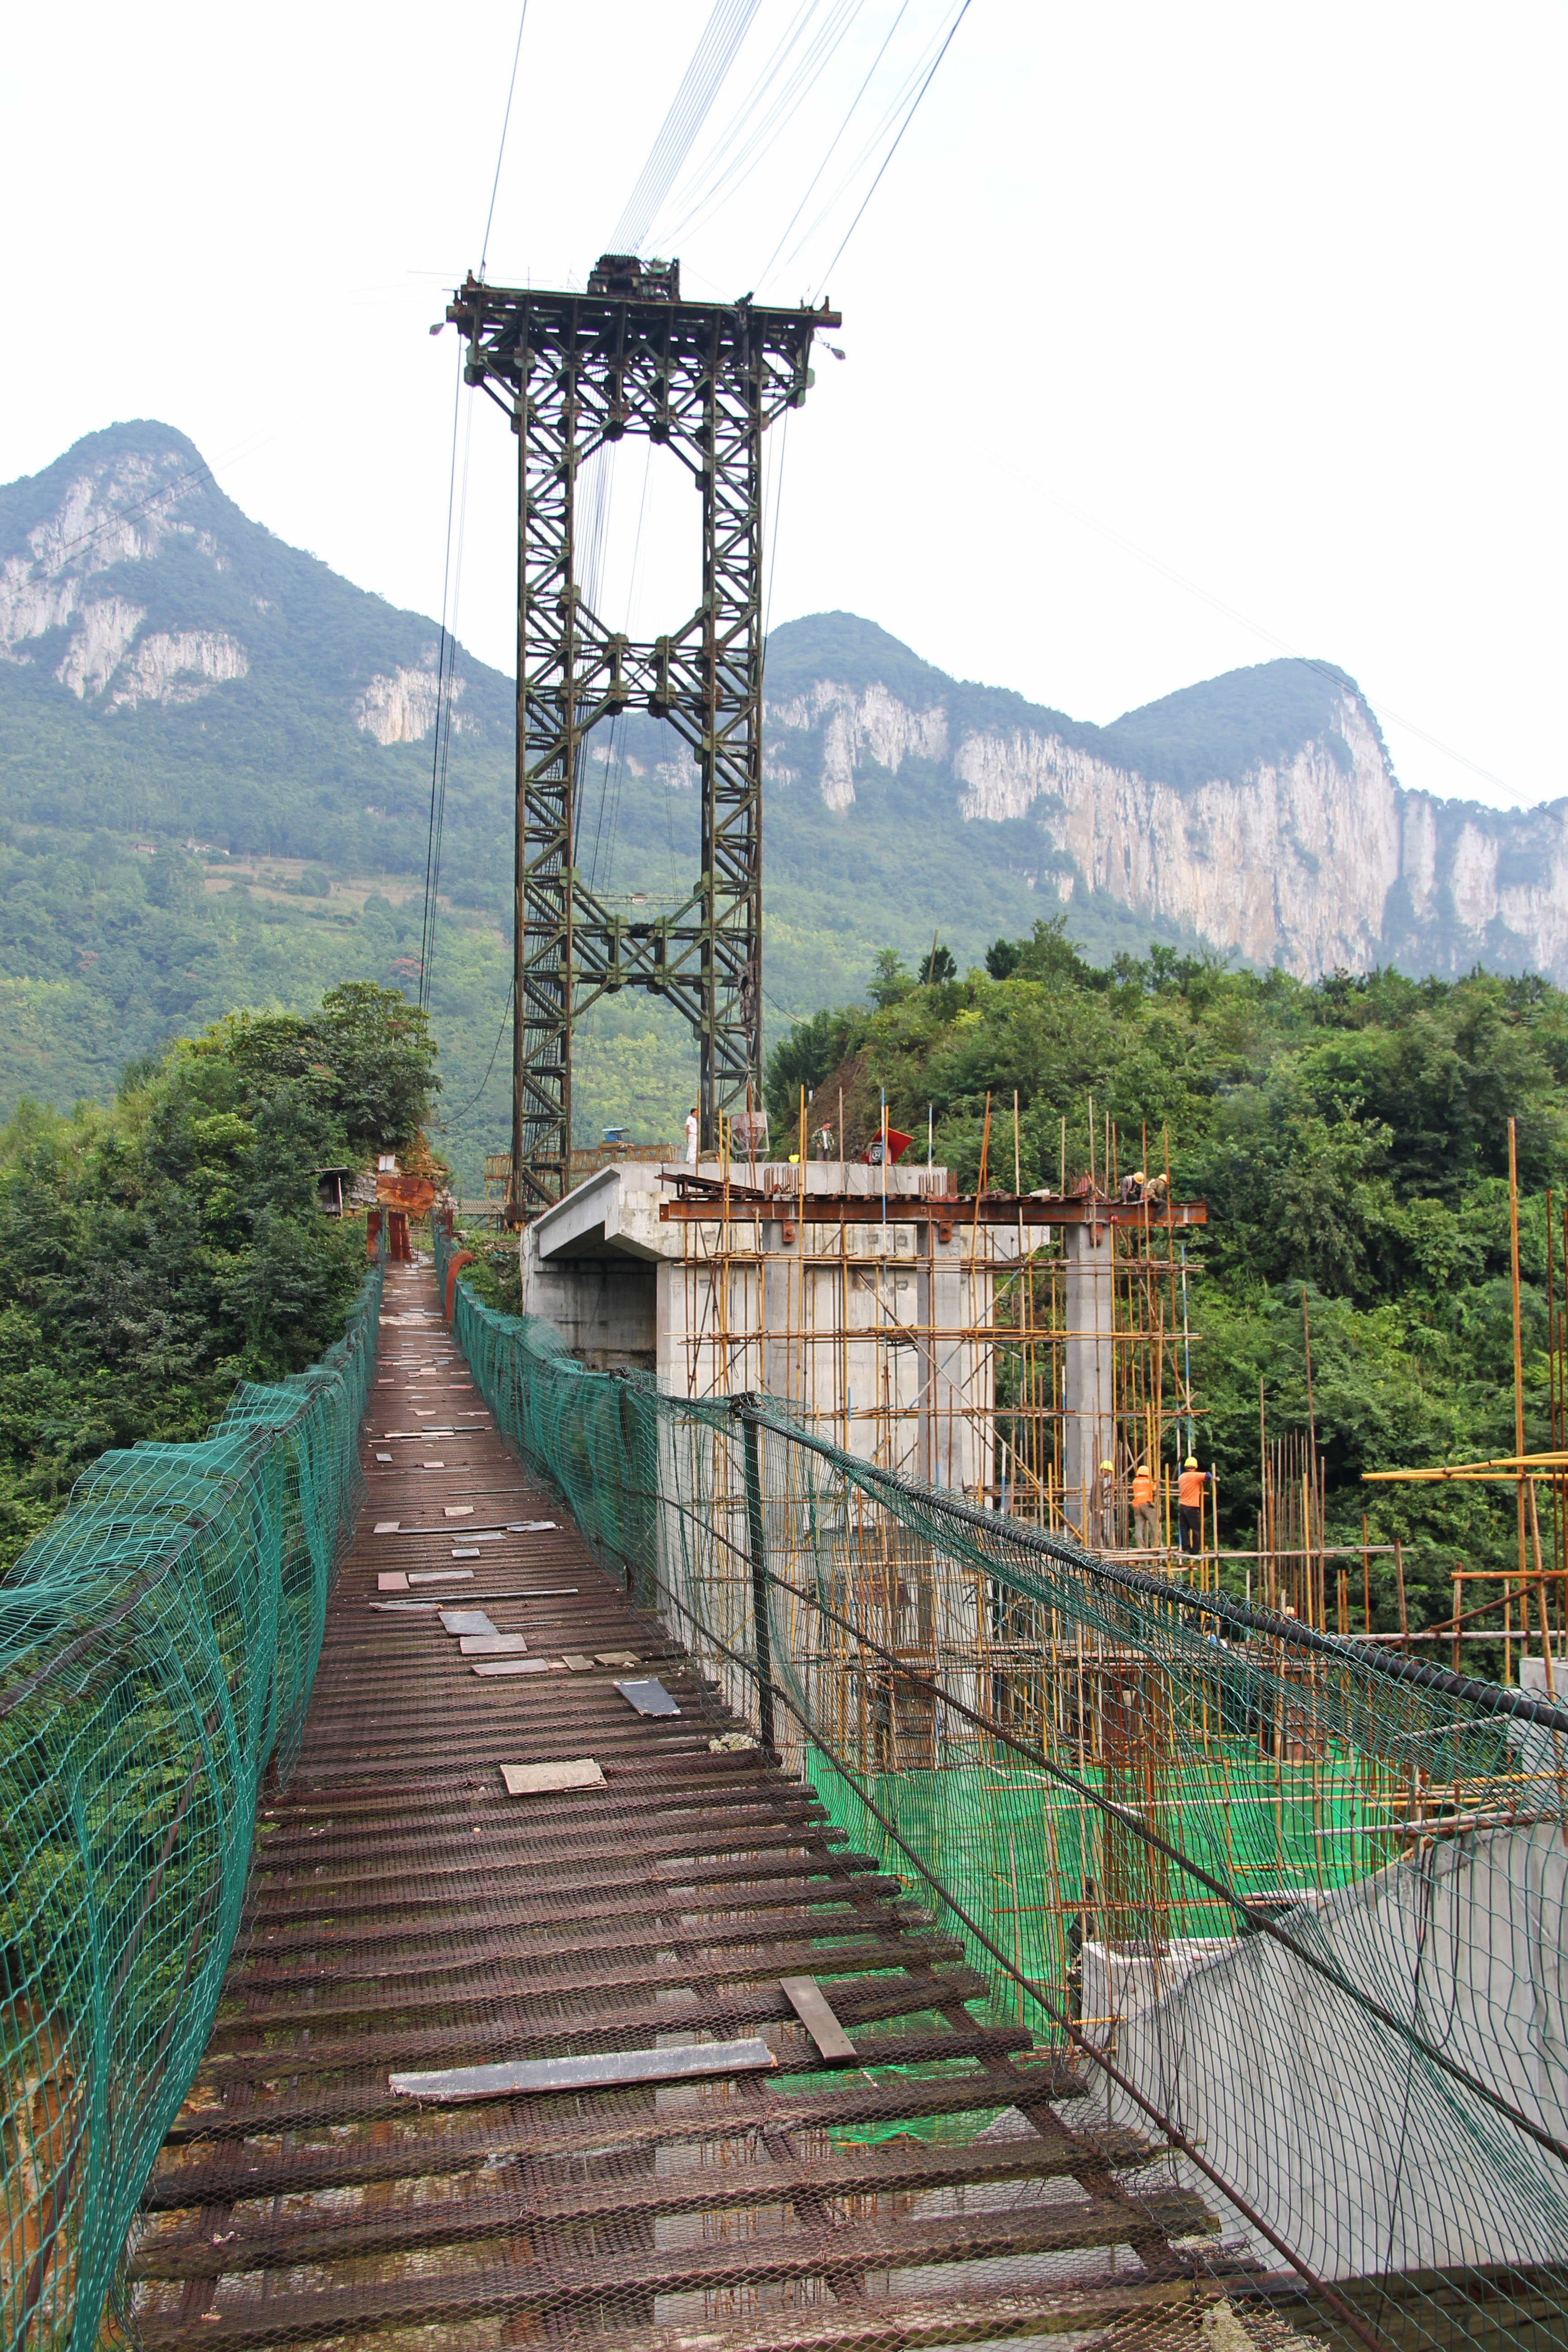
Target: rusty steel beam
column 700, row 1201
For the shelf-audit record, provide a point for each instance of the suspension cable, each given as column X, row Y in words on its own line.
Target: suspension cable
column 505, row 121
column 450, row 1119
column 893, row 150
column 849, row 111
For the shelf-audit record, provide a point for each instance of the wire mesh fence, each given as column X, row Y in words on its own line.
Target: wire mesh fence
column 157, row 1646
column 1298, row 1908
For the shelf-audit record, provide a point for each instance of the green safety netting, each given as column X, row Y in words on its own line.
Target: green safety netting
column 157, row 1646
column 1298, row 1907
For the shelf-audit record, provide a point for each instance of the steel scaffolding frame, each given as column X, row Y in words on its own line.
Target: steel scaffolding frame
column 575, row 372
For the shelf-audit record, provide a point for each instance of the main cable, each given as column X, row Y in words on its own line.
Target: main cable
column 1325, row 670
column 737, row 156
column 903, row 11
column 1335, row 677
column 203, row 472
column 505, row 121
column 715, row 53
column 711, row 60
column 963, row 11
column 444, row 722
column 902, row 100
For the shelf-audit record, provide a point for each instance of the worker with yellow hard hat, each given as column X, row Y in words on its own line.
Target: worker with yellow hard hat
column 1190, row 1503
column 1145, row 1516
column 1102, row 1506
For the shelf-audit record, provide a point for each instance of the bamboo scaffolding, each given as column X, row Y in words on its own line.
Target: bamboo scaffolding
column 953, row 1368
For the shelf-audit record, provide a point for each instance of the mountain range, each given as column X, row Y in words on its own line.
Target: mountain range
column 217, row 759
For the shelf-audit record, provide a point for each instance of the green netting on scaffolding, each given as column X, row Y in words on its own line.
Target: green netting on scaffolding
column 1298, row 1910
column 157, row 1646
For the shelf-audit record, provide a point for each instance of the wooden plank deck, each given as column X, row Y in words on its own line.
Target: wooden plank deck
column 406, row 1913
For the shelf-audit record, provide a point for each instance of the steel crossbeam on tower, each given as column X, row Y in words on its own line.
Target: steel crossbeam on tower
column 574, row 372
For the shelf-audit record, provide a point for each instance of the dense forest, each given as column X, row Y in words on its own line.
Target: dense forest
column 108, row 951
column 1349, row 1138
column 157, row 1250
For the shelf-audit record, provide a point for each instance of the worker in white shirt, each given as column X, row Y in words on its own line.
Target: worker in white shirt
column 691, row 1137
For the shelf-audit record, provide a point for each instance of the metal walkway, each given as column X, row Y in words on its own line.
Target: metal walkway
column 406, row 1913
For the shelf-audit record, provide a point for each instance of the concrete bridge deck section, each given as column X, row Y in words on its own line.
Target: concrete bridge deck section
column 407, row 1914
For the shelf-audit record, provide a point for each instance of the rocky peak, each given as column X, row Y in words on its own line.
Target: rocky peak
column 1259, row 812
column 127, row 577
column 119, row 499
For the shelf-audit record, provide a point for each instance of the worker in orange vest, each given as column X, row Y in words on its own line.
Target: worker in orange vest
column 1145, row 1518
column 1190, row 1503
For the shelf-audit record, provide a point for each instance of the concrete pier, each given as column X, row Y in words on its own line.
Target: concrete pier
column 876, row 1331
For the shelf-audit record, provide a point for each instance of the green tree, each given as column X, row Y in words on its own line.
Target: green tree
column 157, row 1251
column 804, row 1058
column 1349, row 1138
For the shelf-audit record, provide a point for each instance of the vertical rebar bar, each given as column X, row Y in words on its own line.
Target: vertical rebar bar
column 756, row 1538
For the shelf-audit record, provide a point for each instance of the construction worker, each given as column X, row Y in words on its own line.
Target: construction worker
column 1190, row 1503
column 691, row 1137
column 1145, row 1516
column 1102, row 1504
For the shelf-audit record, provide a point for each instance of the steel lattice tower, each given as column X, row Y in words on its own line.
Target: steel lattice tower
column 574, row 372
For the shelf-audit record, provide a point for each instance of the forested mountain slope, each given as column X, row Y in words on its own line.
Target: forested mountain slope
column 216, row 760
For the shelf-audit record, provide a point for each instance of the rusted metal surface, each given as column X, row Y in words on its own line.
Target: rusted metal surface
column 407, row 1914
column 703, row 1200
column 415, row 1194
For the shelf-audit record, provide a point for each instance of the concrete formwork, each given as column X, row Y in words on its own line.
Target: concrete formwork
column 1004, row 1357
column 876, row 1332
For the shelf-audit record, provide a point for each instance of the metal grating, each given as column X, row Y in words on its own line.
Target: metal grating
column 405, row 1913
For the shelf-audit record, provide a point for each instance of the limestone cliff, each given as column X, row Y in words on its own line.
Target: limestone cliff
column 169, row 667
column 1259, row 813
column 402, row 708
column 115, row 509
column 127, row 578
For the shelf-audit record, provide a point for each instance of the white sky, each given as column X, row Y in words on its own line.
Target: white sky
column 1178, row 337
